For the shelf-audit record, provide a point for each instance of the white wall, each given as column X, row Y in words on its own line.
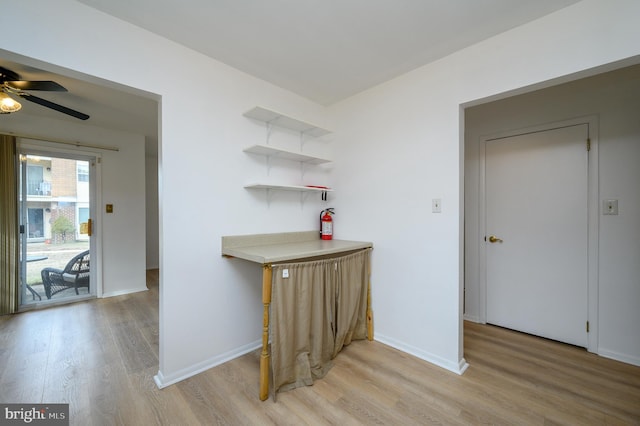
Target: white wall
column 123, row 235
column 120, row 234
column 615, row 98
column 401, row 146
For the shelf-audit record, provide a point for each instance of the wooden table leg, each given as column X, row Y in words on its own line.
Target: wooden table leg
column 265, row 357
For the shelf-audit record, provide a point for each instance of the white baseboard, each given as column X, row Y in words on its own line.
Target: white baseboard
column 472, row 318
column 163, row 381
column 628, row 359
column 123, row 292
column 455, row 367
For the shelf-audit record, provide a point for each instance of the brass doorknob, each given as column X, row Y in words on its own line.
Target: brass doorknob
column 494, row 239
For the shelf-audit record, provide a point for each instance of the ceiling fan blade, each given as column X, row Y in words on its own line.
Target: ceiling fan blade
column 54, row 106
column 49, row 86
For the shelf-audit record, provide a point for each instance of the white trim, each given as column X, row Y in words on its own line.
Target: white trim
column 123, row 292
column 633, row 360
column 472, row 318
column 96, row 239
column 593, row 293
column 163, row 381
column 593, row 219
column 482, row 232
column 458, row 368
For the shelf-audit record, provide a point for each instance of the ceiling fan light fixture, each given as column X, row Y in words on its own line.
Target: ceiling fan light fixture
column 8, row 104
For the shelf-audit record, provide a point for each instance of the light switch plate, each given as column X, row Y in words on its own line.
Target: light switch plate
column 610, row 207
column 285, row 273
column 436, row 205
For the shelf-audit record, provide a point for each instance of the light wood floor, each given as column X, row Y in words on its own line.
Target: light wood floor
column 100, row 356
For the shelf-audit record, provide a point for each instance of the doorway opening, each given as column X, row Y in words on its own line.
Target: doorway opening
column 55, row 204
column 605, row 101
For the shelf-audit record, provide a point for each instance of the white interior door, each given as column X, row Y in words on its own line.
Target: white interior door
column 536, row 202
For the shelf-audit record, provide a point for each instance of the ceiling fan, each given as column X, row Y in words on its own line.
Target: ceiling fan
column 11, row 84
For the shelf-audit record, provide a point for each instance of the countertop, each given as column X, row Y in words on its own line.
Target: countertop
column 287, row 246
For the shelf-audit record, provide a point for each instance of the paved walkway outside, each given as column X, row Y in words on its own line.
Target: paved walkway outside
column 57, row 256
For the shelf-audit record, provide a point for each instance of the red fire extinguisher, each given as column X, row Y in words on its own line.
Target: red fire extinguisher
column 326, row 224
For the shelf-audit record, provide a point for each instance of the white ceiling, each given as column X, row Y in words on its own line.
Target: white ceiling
column 324, row 50
column 327, row 50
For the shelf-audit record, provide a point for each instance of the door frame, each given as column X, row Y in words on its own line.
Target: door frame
column 45, row 148
column 592, row 212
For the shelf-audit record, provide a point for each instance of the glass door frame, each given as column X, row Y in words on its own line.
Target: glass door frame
column 44, row 149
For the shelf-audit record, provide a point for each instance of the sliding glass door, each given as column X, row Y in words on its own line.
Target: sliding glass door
column 55, row 200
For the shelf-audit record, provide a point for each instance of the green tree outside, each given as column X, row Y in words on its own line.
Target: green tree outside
column 61, row 226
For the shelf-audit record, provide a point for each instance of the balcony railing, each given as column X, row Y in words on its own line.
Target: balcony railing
column 39, row 188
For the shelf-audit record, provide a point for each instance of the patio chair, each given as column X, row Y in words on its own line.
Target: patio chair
column 74, row 275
